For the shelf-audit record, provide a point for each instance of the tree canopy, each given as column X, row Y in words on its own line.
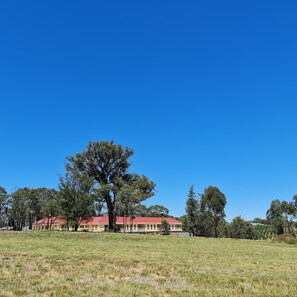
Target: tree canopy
column 108, row 165
column 213, row 203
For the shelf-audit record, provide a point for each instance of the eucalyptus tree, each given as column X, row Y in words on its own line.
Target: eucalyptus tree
column 289, row 213
column 76, row 197
column 108, row 165
column 4, row 204
column 213, row 203
column 19, row 212
column 275, row 217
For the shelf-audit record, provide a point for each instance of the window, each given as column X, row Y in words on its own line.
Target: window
column 134, row 227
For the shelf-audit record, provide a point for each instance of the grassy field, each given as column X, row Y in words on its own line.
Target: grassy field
column 86, row 264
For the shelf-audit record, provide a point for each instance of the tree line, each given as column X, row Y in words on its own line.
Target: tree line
column 97, row 182
column 205, row 216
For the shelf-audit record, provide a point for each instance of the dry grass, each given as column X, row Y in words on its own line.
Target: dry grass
column 85, row 264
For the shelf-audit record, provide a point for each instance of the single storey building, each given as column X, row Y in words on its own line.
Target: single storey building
column 100, row 224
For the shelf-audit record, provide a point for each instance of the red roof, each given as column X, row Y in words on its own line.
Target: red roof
column 52, row 220
column 143, row 220
column 120, row 220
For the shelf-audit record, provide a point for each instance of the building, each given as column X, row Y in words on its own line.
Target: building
column 100, row 224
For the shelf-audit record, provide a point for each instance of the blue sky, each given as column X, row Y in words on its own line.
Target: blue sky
column 203, row 91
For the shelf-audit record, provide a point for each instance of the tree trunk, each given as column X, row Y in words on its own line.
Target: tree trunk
column 110, row 219
column 216, row 232
column 30, row 222
column 110, row 209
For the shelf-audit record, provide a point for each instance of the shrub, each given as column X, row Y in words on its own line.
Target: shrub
column 165, row 227
column 285, row 238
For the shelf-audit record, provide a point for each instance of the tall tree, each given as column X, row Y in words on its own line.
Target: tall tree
column 19, row 208
column 275, row 217
column 192, row 209
column 52, row 205
column 213, row 203
column 76, row 197
column 3, row 207
column 108, row 164
column 289, row 212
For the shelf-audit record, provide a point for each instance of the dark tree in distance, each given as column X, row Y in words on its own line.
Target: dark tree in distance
column 157, row 211
column 141, row 210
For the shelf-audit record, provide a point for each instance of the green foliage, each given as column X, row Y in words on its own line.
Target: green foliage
column 259, row 221
column 185, row 223
column 205, row 225
column 241, row 229
column 213, row 203
column 151, row 211
column 262, row 231
column 26, row 205
column 157, row 211
column 76, row 197
column 223, row 229
column 289, row 213
column 165, row 227
column 3, row 207
column 140, row 210
column 275, row 217
column 42, row 203
column 19, row 208
column 108, row 165
column 192, row 211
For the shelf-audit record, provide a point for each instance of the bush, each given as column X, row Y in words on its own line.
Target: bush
column 285, row 238
column 241, row 229
column 165, row 227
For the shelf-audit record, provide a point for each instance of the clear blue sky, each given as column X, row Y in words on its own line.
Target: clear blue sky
column 205, row 92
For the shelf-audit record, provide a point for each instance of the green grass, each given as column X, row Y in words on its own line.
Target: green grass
column 86, row 264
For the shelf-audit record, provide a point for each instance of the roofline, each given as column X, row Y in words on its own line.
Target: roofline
column 60, row 219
